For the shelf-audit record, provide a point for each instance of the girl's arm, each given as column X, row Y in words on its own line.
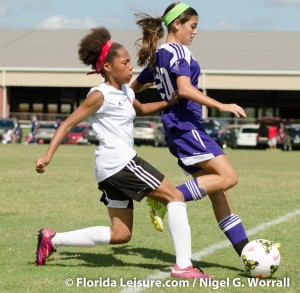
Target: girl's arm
column 186, row 90
column 154, row 107
column 138, row 87
column 90, row 105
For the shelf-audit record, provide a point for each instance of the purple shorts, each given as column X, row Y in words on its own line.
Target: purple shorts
column 192, row 147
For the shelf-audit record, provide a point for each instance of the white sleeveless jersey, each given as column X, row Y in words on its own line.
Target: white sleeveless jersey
column 113, row 124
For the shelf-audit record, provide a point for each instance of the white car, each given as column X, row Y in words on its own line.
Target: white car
column 149, row 132
column 247, row 135
column 45, row 132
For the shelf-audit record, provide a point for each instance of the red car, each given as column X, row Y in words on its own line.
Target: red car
column 75, row 136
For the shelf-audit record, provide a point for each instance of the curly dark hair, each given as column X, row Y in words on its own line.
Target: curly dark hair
column 91, row 46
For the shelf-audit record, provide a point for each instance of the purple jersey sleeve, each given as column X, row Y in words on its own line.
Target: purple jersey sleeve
column 181, row 68
column 179, row 64
column 145, row 76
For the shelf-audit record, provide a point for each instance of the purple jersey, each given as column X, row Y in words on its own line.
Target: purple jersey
column 173, row 60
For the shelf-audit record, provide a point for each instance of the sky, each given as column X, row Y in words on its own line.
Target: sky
column 214, row 15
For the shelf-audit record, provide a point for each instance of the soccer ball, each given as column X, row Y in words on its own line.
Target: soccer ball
column 260, row 258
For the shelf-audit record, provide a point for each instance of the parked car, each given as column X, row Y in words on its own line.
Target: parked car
column 215, row 130
column 291, row 137
column 90, row 135
column 45, row 132
column 229, row 136
column 149, row 132
column 160, row 137
column 5, row 125
column 246, row 136
column 76, row 134
column 240, row 135
column 262, row 134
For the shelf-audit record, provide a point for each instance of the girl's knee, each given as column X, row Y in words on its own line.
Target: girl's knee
column 175, row 195
column 234, row 179
column 230, row 181
column 121, row 225
column 167, row 193
column 120, row 237
column 125, row 238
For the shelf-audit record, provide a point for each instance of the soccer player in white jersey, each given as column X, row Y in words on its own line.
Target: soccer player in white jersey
column 172, row 67
column 121, row 175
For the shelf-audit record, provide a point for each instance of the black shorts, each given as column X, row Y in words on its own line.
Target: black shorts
column 137, row 179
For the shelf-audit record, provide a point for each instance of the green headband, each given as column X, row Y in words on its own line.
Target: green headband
column 174, row 13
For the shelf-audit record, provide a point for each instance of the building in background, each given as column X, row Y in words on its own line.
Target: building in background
column 40, row 71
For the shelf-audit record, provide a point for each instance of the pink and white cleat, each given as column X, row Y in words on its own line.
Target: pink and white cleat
column 189, row 273
column 44, row 248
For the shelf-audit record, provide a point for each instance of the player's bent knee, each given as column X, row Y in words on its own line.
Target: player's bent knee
column 232, row 181
column 120, row 238
column 175, row 195
column 167, row 193
column 229, row 181
column 125, row 239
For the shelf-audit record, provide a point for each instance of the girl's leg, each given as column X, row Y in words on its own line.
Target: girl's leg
column 87, row 237
column 221, row 205
column 220, row 175
column 228, row 222
column 177, row 221
column 216, row 175
column 119, row 232
column 121, row 225
column 179, row 228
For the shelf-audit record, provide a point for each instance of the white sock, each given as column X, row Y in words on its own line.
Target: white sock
column 87, row 237
column 180, row 232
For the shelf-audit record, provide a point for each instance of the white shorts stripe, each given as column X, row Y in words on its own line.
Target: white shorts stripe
column 188, row 161
column 147, row 173
column 111, row 203
column 198, row 137
column 143, row 175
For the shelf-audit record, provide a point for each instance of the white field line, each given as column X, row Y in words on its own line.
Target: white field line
column 211, row 249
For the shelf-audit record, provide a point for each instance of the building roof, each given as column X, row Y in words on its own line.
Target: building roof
column 257, row 51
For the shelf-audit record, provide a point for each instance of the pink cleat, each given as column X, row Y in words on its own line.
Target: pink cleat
column 44, row 248
column 189, row 273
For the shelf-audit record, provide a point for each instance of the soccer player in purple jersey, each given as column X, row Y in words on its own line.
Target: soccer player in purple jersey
column 172, row 67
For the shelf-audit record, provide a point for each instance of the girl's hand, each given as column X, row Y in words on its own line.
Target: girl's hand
column 233, row 108
column 137, row 87
column 175, row 99
column 40, row 164
column 148, row 85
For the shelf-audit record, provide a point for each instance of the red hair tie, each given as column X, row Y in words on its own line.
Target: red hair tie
column 102, row 57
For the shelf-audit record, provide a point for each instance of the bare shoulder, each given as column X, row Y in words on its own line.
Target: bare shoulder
column 94, row 99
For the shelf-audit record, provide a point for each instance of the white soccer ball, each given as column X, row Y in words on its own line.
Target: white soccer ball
column 260, row 258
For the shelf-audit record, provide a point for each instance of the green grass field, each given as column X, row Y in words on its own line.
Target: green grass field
column 66, row 198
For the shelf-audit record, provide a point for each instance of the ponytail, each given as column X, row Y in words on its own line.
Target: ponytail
column 153, row 31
